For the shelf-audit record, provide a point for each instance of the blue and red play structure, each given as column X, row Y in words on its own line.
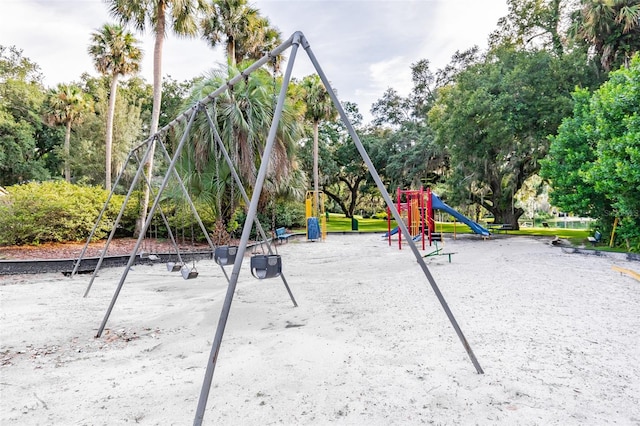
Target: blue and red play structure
column 416, row 207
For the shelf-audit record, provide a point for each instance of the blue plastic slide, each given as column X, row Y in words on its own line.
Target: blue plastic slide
column 438, row 204
column 394, row 231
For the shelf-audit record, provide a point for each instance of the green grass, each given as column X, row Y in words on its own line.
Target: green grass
column 340, row 223
column 577, row 237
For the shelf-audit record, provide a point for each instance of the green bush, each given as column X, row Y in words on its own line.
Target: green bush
column 290, row 215
column 380, row 215
column 56, row 211
column 184, row 224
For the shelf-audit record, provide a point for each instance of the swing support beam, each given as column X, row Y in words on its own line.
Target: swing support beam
column 294, row 42
column 245, row 197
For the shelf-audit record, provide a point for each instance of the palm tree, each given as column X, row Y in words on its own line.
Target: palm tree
column 319, row 108
column 245, row 33
column 612, row 27
column 178, row 15
column 227, row 22
column 115, row 53
column 67, row 105
column 243, row 116
column 259, row 39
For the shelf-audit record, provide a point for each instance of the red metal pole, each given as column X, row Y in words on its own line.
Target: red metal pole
column 430, row 224
column 409, row 200
column 399, row 211
column 422, row 213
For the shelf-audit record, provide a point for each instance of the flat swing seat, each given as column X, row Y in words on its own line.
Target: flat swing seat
column 174, row 266
column 189, row 274
column 266, row 266
column 147, row 255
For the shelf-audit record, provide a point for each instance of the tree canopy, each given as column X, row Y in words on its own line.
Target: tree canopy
column 494, row 121
column 593, row 163
column 25, row 140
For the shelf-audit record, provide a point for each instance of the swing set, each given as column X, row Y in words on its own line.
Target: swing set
column 268, row 264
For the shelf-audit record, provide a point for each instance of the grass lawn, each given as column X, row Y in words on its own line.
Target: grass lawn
column 577, row 237
column 340, row 223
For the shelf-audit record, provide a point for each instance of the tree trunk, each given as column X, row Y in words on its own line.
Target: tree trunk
column 109, row 136
column 339, row 201
column 354, row 200
column 508, row 216
column 155, row 114
column 67, row 145
column 231, row 51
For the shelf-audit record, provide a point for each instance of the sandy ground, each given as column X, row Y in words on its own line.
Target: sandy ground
column 557, row 335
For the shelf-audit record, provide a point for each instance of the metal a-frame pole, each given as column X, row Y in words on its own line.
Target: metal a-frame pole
column 190, row 201
column 236, row 177
column 113, row 230
column 118, row 218
column 390, row 205
column 294, row 41
column 189, row 114
column 164, row 218
column 104, row 209
column 147, row 222
column 185, row 192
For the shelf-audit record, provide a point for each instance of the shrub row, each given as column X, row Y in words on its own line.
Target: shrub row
column 56, row 211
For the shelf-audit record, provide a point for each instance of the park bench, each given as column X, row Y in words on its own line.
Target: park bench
column 597, row 237
column 282, row 235
column 504, row 227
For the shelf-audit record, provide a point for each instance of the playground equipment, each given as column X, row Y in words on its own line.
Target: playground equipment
column 438, row 252
column 201, row 108
column 316, row 220
column 413, row 214
column 416, row 208
column 225, row 255
column 438, row 204
column 186, row 271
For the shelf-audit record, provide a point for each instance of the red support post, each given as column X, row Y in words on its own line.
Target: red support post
column 422, row 214
column 430, row 222
column 400, row 213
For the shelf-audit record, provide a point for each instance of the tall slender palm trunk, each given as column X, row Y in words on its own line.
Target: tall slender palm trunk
column 67, row 144
column 109, row 134
column 155, row 114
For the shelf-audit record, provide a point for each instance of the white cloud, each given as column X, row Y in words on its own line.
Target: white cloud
column 363, row 46
column 394, row 72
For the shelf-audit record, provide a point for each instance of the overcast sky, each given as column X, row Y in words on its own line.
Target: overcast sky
column 364, row 46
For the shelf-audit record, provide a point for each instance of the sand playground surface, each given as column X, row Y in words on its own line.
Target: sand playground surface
column 557, row 335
